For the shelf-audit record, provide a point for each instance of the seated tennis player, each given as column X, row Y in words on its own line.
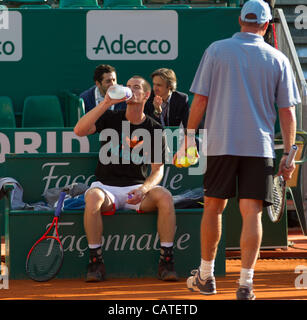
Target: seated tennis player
column 122, row 181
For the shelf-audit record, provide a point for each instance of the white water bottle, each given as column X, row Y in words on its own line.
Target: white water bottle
column 118, row 92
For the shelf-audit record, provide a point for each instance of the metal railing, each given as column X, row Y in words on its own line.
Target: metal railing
column 286, row 45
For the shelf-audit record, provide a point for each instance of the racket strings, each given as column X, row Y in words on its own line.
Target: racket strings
column 277, row 195
column 45, row 259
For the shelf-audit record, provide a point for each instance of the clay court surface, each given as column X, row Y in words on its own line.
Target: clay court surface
column 275, row 279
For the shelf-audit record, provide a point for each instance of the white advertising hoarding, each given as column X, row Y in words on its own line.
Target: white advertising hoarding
column 10, row 35
column 131, row 35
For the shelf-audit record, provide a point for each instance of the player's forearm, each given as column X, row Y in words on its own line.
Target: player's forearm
column 198, row 108
column 85, row 125
column 287, row 120
column 153, row 179
column 197, row 111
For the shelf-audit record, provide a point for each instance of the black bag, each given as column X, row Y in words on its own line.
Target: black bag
column 189, row 199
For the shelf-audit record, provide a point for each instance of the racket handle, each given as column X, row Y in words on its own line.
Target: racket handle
column 291, row 155
column 60, row 204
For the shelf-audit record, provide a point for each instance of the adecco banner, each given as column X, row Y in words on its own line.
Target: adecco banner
column 10, row 35
column 131, row 35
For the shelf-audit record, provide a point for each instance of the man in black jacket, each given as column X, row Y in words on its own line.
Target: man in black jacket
column 166, row 105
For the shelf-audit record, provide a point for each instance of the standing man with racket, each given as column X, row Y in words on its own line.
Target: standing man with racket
column 126, row 185
column 237, row 83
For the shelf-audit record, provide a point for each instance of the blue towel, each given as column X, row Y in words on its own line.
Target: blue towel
column 75, row 203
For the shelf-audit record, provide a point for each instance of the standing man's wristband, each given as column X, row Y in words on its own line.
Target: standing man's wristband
column 285, row 153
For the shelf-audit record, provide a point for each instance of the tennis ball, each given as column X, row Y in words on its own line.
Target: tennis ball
column 192, row 155
column 192, row 151
column 182, row 162
column 185, row 162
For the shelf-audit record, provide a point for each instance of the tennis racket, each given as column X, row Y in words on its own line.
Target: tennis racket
column 45, row 258
column 276, row 210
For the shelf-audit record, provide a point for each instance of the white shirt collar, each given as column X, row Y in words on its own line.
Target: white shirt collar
column 99, row 98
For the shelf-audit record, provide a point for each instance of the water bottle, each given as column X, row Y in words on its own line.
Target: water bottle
column 118, row 92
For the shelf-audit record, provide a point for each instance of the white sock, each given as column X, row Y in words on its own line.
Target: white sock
column 166, row 244
column 94, row 246
column 246, row 277
column 206, row 269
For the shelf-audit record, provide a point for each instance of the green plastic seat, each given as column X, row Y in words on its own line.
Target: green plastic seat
column 7, row 116
column 26, row 1
column 42, row 112
column 122, row 3
column 159, row 1
column 73, row 108
column 35, row 6
column 78, row 4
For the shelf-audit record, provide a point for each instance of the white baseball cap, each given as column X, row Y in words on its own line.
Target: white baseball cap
column 259, row 8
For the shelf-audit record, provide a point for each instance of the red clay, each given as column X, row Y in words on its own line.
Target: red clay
column 274, row 280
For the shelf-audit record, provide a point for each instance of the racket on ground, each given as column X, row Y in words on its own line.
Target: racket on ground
column 45, row 258
column 275, row 211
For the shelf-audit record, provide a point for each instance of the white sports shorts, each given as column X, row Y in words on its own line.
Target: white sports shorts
column 118, row 195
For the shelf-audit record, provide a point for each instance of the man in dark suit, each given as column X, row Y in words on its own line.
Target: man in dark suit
column 166, row 105
column 104, row 77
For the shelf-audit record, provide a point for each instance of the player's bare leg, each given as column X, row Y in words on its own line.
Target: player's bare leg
column 96, row 201
column 211, row 227
column 251, row 234
column 203, row 279
column 250, row 241
column 160, row 199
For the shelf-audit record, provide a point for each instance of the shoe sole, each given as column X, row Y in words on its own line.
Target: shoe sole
column 194, row 288
column 207, row 293
column 252, row 298
column 202, row 292
column 94, row 279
